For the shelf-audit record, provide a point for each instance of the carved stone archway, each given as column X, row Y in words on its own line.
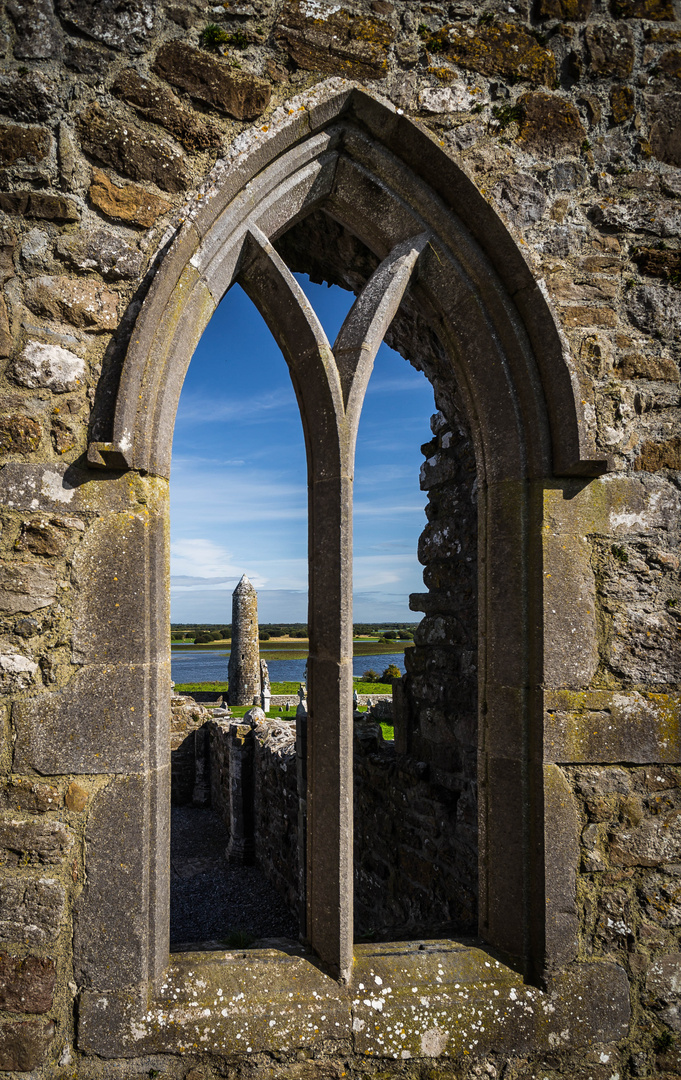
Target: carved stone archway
column 387, row 181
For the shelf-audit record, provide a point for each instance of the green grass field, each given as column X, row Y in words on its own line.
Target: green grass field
column 277, row 688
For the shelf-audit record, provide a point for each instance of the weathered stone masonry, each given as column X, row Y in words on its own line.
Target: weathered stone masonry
column 535, row 151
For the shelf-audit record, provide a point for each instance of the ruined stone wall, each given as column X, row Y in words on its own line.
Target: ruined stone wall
column 408, row 882
column 566, row 116
column 276, row 809
column 187, row 751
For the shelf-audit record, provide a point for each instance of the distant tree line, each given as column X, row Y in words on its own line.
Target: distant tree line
column 391, row 631
column 203, row 633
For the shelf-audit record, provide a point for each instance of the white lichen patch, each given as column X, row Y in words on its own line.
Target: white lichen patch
column 48, row 366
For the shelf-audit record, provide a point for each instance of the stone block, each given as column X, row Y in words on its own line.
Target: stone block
column 655, row 309
column 62, row 436
column 58, row 487
column 39, row 204
column 26, row 983
column 592, row 1004
column 76, row 798
column 658, row 263
column 338, row 40
column 212, row 81
column 26, row 587
column 611, row 50
column 657, row 10
column 654, row 456
column 24, row 1044
column 23, row 144
column 622, row 104
column 17, row 672
column 125, row 25
column 550, row 125
column 40, row 537
column 112, row 940
column 664, row 117
column 588, row 316
column 86, row 60
column 663, row 982
column 48, row 366
column 661, row 217
column 81, row 302
column 33, row 841
column 110, row 579
column 28, row 95
column 602, row 726
column 29, row 795
column 131, row 151
column 19, row 435
column 97, row 724
column 160, row 105
column 561, row 859
column 241, row 994
column 504, row 50
column 653, row 842
column 521, row 198
column 568, row 10
column 31, row 910
column 103, row 251
column 36, row 29
column 125, row 202
column 571, row 654
column 644, row 366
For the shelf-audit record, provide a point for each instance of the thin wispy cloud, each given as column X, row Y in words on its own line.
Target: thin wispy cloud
column 198, row 557
column 203, row 408
column 394, row 384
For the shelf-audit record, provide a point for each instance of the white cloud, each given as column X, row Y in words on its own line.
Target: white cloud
column 198, row 557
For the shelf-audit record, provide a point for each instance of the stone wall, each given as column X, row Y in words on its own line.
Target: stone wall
column 121, row 120
column 188, row 774
column 407, row 879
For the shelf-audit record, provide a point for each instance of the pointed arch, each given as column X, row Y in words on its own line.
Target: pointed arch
column 386, row 180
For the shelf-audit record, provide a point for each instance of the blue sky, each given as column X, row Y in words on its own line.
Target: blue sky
column 238, row 484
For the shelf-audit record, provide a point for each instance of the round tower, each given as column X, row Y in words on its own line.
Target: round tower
column 244, row 658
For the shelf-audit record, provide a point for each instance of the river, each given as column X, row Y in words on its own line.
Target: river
column 188, row 666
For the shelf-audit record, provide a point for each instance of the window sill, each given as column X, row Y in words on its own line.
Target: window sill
column 407, row 1000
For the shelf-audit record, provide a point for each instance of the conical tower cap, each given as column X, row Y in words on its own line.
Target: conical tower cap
column 244, row 586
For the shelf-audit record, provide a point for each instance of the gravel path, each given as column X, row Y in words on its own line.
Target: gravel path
column 213, row 904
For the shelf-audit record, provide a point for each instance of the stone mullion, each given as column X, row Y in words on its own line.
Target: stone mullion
column 330, row 810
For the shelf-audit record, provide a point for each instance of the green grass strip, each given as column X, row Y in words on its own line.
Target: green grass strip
column 277, row 688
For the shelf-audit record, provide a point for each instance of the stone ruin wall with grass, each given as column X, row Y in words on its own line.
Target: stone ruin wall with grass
column 566, row 115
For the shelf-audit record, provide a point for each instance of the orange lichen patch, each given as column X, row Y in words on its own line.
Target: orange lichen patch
column 125, row 202
column 503, row 49
column 550, row 124
column 655, row 10
column 335, row 40
column 573, row 10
